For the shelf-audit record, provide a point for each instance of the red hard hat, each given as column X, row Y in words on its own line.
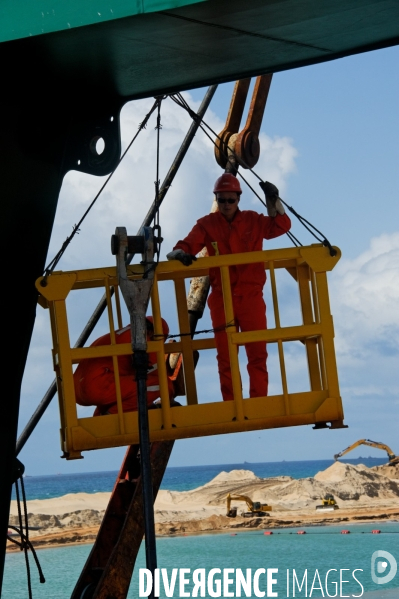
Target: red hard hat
column 165, row 328
column 227, row 182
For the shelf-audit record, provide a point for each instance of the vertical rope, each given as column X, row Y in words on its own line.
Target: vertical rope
column 157, row 181
column 157, row 226
column 24, row 544
column 23, row 529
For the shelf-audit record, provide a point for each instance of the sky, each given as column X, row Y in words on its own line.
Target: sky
column 329, row 141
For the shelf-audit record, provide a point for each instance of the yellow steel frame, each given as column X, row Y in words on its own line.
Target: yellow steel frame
column 322, row 404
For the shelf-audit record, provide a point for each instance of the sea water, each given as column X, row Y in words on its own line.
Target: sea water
column 321, row 549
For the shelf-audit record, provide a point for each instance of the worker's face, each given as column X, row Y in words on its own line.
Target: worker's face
column 228, row 203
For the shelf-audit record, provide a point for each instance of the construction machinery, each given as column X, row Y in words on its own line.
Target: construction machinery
column 392, row 458
column 256, row 508
column 328, row 503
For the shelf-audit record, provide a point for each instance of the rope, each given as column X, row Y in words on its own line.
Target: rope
column 180, row 101
column 215, row 330
column 303, row 220
column 157, row 202
column 157, row 226
column 157, row 181
column 25, row 542
column 76, row 228
column 294, row 240
column 31, row 547
column 24, row 546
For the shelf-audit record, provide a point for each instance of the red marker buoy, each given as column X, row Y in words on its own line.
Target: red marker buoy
column 268, row 532
column 375, row 532
column 345, row 532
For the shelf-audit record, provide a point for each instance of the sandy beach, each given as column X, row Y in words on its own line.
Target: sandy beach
column 362, row 494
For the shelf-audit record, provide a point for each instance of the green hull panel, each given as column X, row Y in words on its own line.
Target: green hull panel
column 191, row 46
column 27, row 18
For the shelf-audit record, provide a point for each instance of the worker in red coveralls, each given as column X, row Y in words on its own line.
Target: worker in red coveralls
column 231, row 231
column 95, row 380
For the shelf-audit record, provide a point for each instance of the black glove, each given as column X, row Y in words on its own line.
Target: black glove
column 186, row 259
column 273, row 202
column 183, row 257
column 269, row 189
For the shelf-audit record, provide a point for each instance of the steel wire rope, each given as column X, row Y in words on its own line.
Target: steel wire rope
column 289, row 234
column 75, row 229
column 180, row 101
column 157, row 203
column 215, row 330
column 157, row 180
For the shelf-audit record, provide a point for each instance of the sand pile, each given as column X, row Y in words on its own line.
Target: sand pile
column 368, row 493
column 354, row 485
column 72, row 502
column 387, row 470
column 209, row 524
column 210, row 499
column 48, row 522
column 358, row 483
column 75, row 510
column 232, row 476
column 362, row 494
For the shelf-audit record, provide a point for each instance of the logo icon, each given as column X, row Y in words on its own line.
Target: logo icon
column 381, row 566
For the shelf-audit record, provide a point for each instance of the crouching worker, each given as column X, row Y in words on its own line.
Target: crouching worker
column 94, row 378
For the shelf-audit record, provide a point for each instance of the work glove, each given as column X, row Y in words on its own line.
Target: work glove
column 186, row 259
column 273, row 202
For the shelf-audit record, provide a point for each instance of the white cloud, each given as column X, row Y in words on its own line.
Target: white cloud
column 276, row 162
column 365, row 298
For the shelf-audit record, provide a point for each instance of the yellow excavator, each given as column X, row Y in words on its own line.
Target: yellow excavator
column 328, row 503
column 256, row 508
column 392, row 458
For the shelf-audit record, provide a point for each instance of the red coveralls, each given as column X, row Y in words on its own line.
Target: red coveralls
column 95, row 381
column 244, row 234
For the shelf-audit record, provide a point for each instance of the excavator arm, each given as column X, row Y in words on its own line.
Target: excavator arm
column 377, row 444
column 254, row 507
column 247, row 500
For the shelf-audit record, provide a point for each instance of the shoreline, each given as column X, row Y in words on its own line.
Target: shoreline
column 87, row 535
column 364, row 496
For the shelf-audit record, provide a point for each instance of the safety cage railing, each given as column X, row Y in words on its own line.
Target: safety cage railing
column 319, row 405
